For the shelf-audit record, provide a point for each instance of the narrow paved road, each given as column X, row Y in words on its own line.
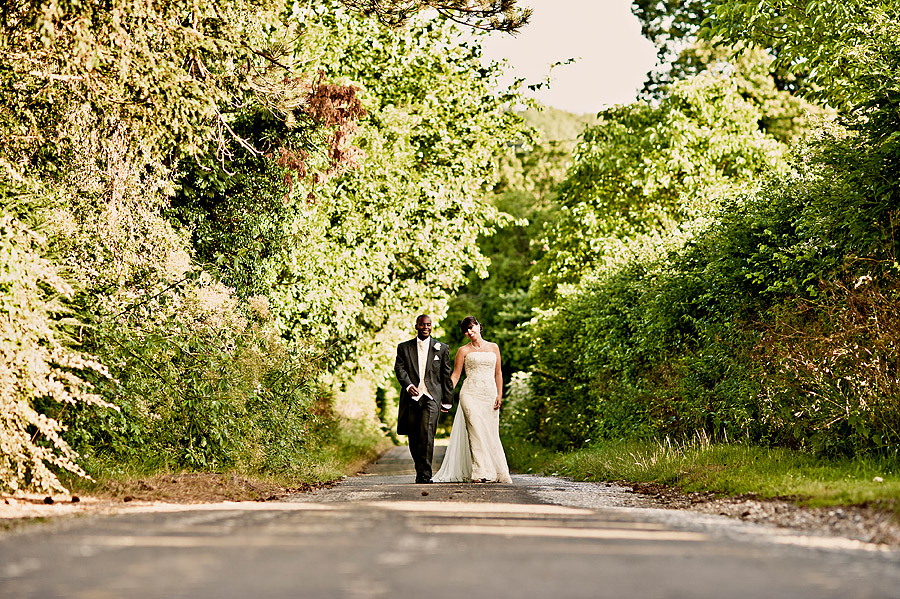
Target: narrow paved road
column 378, row 535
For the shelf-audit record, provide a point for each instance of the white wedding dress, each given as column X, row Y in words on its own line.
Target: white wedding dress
column 475, row 452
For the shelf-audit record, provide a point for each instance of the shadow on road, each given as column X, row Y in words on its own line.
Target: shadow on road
column 379, row 535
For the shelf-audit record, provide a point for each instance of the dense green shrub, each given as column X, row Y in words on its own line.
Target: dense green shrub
column 646, row 168
column 771, row 315
column 218, row 391
column 831, row 368
column 38, row 364
column 775, row 323
column 345, row 254
column 193, row 159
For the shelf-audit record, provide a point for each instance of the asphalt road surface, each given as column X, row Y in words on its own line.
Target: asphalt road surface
column 379, row 535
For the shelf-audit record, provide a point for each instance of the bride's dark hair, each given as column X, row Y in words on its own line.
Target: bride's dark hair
column 467, row 323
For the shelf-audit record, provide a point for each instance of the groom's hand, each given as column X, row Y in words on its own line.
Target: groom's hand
column 412, row 390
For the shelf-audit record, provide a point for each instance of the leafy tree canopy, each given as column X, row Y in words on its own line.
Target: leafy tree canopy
column 347, row 258
column 670, row 23
column 645, row 168
column 248, row 106
column 496, row 15
column 818, row 41
column 767, row 313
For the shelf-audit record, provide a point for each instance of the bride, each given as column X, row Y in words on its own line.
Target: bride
column 475, row 452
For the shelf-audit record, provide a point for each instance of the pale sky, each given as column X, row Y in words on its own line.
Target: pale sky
column 605, row 38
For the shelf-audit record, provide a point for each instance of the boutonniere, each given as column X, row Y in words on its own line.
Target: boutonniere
column 437, row 346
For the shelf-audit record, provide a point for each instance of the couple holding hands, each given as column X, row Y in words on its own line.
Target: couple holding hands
column 427, row 379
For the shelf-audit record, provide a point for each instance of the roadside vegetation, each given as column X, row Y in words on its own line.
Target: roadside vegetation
column 214, row 219
column 719, row 262
column 698, row 466
column 210, row 211
column 329, row 456
column 740, row 284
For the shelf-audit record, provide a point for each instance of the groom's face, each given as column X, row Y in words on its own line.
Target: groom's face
column 423, row 327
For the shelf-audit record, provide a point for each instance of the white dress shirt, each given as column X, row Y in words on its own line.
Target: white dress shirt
column 422, row 347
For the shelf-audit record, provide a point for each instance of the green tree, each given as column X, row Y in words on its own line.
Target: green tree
column 525, row 190
column 497, row 15
column 674, row 27
column 816, row 41
column 101, row 108
column 646, row 168
column 342, row 258
column 36, row 357
column 767, row 317
column 670, row 23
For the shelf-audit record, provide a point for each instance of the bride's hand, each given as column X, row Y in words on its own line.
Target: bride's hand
column 497, row 403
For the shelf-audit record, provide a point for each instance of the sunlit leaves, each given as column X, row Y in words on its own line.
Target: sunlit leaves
column 768, row 319
column 496, row 15
column 392, row 236
column 35, row 364
column 645, row 168
column 819, row 40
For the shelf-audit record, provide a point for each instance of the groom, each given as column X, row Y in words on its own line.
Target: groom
column 423, row 368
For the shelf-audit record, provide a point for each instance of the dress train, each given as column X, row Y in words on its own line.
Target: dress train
column 457, row 464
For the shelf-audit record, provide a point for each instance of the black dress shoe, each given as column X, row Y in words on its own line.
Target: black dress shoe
column 424, row 481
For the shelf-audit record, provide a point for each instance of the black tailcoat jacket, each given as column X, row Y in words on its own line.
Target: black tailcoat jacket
column 438, row 368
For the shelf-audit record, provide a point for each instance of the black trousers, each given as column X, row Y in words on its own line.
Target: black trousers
column 423, row 420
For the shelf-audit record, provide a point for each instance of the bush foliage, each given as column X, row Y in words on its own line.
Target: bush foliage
column 204, row 208
column 767, row 317
column 235, row 199
column 37, row 359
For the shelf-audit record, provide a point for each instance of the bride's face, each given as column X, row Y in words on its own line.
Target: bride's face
column 474, row 332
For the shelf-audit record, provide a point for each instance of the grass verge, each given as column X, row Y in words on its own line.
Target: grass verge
column 724, row 469
column 345, row 452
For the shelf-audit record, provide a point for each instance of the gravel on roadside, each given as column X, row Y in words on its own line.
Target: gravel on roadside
column 869, row 524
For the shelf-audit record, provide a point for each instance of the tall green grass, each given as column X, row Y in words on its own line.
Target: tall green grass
column 347, row 447
column 725, row 469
